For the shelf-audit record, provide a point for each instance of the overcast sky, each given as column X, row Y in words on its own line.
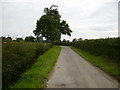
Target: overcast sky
column 88, row 19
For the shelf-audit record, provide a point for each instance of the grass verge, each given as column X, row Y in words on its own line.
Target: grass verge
column 36, row 76
column 109, row 67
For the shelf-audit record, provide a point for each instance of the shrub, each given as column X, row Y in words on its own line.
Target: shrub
column 62, row 43
column 17, row 57
column 108, row 48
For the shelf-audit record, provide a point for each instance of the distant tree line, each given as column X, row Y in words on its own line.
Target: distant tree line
column 27, row 39
column 34, row 39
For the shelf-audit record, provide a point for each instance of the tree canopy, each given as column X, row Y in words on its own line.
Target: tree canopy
column 50, row 26
column 29, row 39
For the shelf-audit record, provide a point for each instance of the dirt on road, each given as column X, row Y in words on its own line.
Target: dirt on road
column 72, row 71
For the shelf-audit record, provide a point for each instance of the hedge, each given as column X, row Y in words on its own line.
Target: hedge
column 17, row 57
column 108, row 48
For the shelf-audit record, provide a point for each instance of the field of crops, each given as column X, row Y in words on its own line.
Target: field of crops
column 108, row 48
column 17, row 57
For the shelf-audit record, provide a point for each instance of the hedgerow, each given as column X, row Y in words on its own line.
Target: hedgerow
column 108, row 48
column 63, row 43
column 17, row 57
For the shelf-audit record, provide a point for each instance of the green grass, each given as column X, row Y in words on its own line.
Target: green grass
column 36, row 76
column 109, row 67
column 17, row 57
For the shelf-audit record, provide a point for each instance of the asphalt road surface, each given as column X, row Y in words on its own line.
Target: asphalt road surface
column 72, row 71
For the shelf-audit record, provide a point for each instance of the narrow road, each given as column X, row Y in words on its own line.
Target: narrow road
column 72, row 71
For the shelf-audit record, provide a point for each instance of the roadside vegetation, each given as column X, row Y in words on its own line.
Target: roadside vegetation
column 17, row 57
column 21, row 67
column 107, row 48
column 19, row 54
column 104, row 53
column 37, row 75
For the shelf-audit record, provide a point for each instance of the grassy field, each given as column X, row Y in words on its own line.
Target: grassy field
column 36, row 76
column 107, row 66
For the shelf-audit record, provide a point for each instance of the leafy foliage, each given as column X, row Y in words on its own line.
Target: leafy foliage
column 36, row 76
column 74, row 40
column 108, row 48
column 19, row 39
column 50, row 26
column 102, row 52
column 63, row 43
column 17, row 57
column 6, row 39
column 29, row 39
column 110, row 67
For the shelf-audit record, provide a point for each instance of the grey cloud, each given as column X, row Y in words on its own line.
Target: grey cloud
column 103, row 19
column 107, row 12
column 19, row 18
column 87, row 19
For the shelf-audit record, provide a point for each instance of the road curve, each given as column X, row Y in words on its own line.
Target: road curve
column 72, row 71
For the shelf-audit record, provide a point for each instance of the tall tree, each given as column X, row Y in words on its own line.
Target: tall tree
column 50, row 26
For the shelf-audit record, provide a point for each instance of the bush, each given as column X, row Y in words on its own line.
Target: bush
column 62, row 43
column 108, row 48
column 17, row 57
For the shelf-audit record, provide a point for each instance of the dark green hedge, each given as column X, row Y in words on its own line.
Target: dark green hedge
column 17, row 57
column 63, row 43
column 108, row 48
